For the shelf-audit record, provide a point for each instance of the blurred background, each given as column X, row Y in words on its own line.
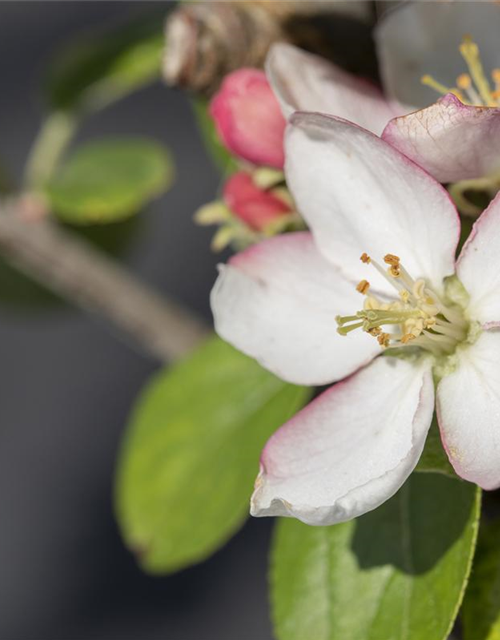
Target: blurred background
column 67, row 386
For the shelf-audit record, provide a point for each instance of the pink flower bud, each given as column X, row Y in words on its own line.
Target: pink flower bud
column 255, row 207
column 249, row 119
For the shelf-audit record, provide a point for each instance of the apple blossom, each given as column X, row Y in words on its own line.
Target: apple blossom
column 452, row 139
column 248, row 118
column 428, row 326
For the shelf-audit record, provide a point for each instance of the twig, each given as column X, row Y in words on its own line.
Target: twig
column 207, row 40
column 75, row 270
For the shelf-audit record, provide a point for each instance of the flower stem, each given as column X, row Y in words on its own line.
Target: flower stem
column 48, row 148
column 83, row 275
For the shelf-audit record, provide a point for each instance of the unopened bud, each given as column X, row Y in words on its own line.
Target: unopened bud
column 255, row 207
column 248, row 118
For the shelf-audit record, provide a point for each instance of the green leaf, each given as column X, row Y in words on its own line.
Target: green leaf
column 223, row 160
column 109, row 180
column 434, row 458
column 191, row 454
column 397, row 573
column 481, row 610
column 104, row 66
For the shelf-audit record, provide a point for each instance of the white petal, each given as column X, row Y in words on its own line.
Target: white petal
column 351, row 449
column 358, row 194
column 421, row 38
column 468, row 404
column 450, row 140
column 305, row 82
column 277, row 302
column 478, row 266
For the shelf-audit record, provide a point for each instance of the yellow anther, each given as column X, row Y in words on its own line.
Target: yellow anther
column 392, row 260
column 363, row 287
column 395, row 271
column 376, row 331
column 464, row 81
column 407, row 338
column 365, row 258
column 495, row 74
column 383, row 339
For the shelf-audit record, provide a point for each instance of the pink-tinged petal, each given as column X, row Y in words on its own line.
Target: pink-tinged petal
column 252, row 205
column 419, row 38
column 305, row 82
column 468, row 404
column 248, row 118
column 478, row 267
column 277, row 302
column 450, row 140
column 351, row 449
column 358, row 194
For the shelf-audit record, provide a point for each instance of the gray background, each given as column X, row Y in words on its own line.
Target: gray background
column 67, row 385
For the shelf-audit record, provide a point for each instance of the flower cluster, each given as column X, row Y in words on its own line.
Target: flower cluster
column 371, row 296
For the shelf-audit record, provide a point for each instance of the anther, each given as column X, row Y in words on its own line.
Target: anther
column 395, row 271
column 365, row 258
column 363, row 287
column 392, row 260
column 383, row 339
column 407, row 338
column 464, row 81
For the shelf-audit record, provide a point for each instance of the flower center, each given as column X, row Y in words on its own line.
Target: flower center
column 473, row 88
column 417, row 319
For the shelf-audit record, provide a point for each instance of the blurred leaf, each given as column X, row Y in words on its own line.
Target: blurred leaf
column 223, row 160
column 481, row 610
column 109, row 180
column 104, row 66
column 397, row 573
column 191, row 454
column 434, row 458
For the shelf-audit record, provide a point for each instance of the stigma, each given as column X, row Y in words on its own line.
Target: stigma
column 474, row 88
column 417, row 317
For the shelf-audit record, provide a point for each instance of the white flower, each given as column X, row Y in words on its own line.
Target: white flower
column 453, row 139
column 355, row 445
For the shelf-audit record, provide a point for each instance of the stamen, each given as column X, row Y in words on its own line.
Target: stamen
column 474, row 87
column 429, row 81
column 395, row 272
column 470, row 53
column 423, row 320
column 495, row 76
column 464, row 82
column 363, row 287
column 383, row 339
column 392, row 260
